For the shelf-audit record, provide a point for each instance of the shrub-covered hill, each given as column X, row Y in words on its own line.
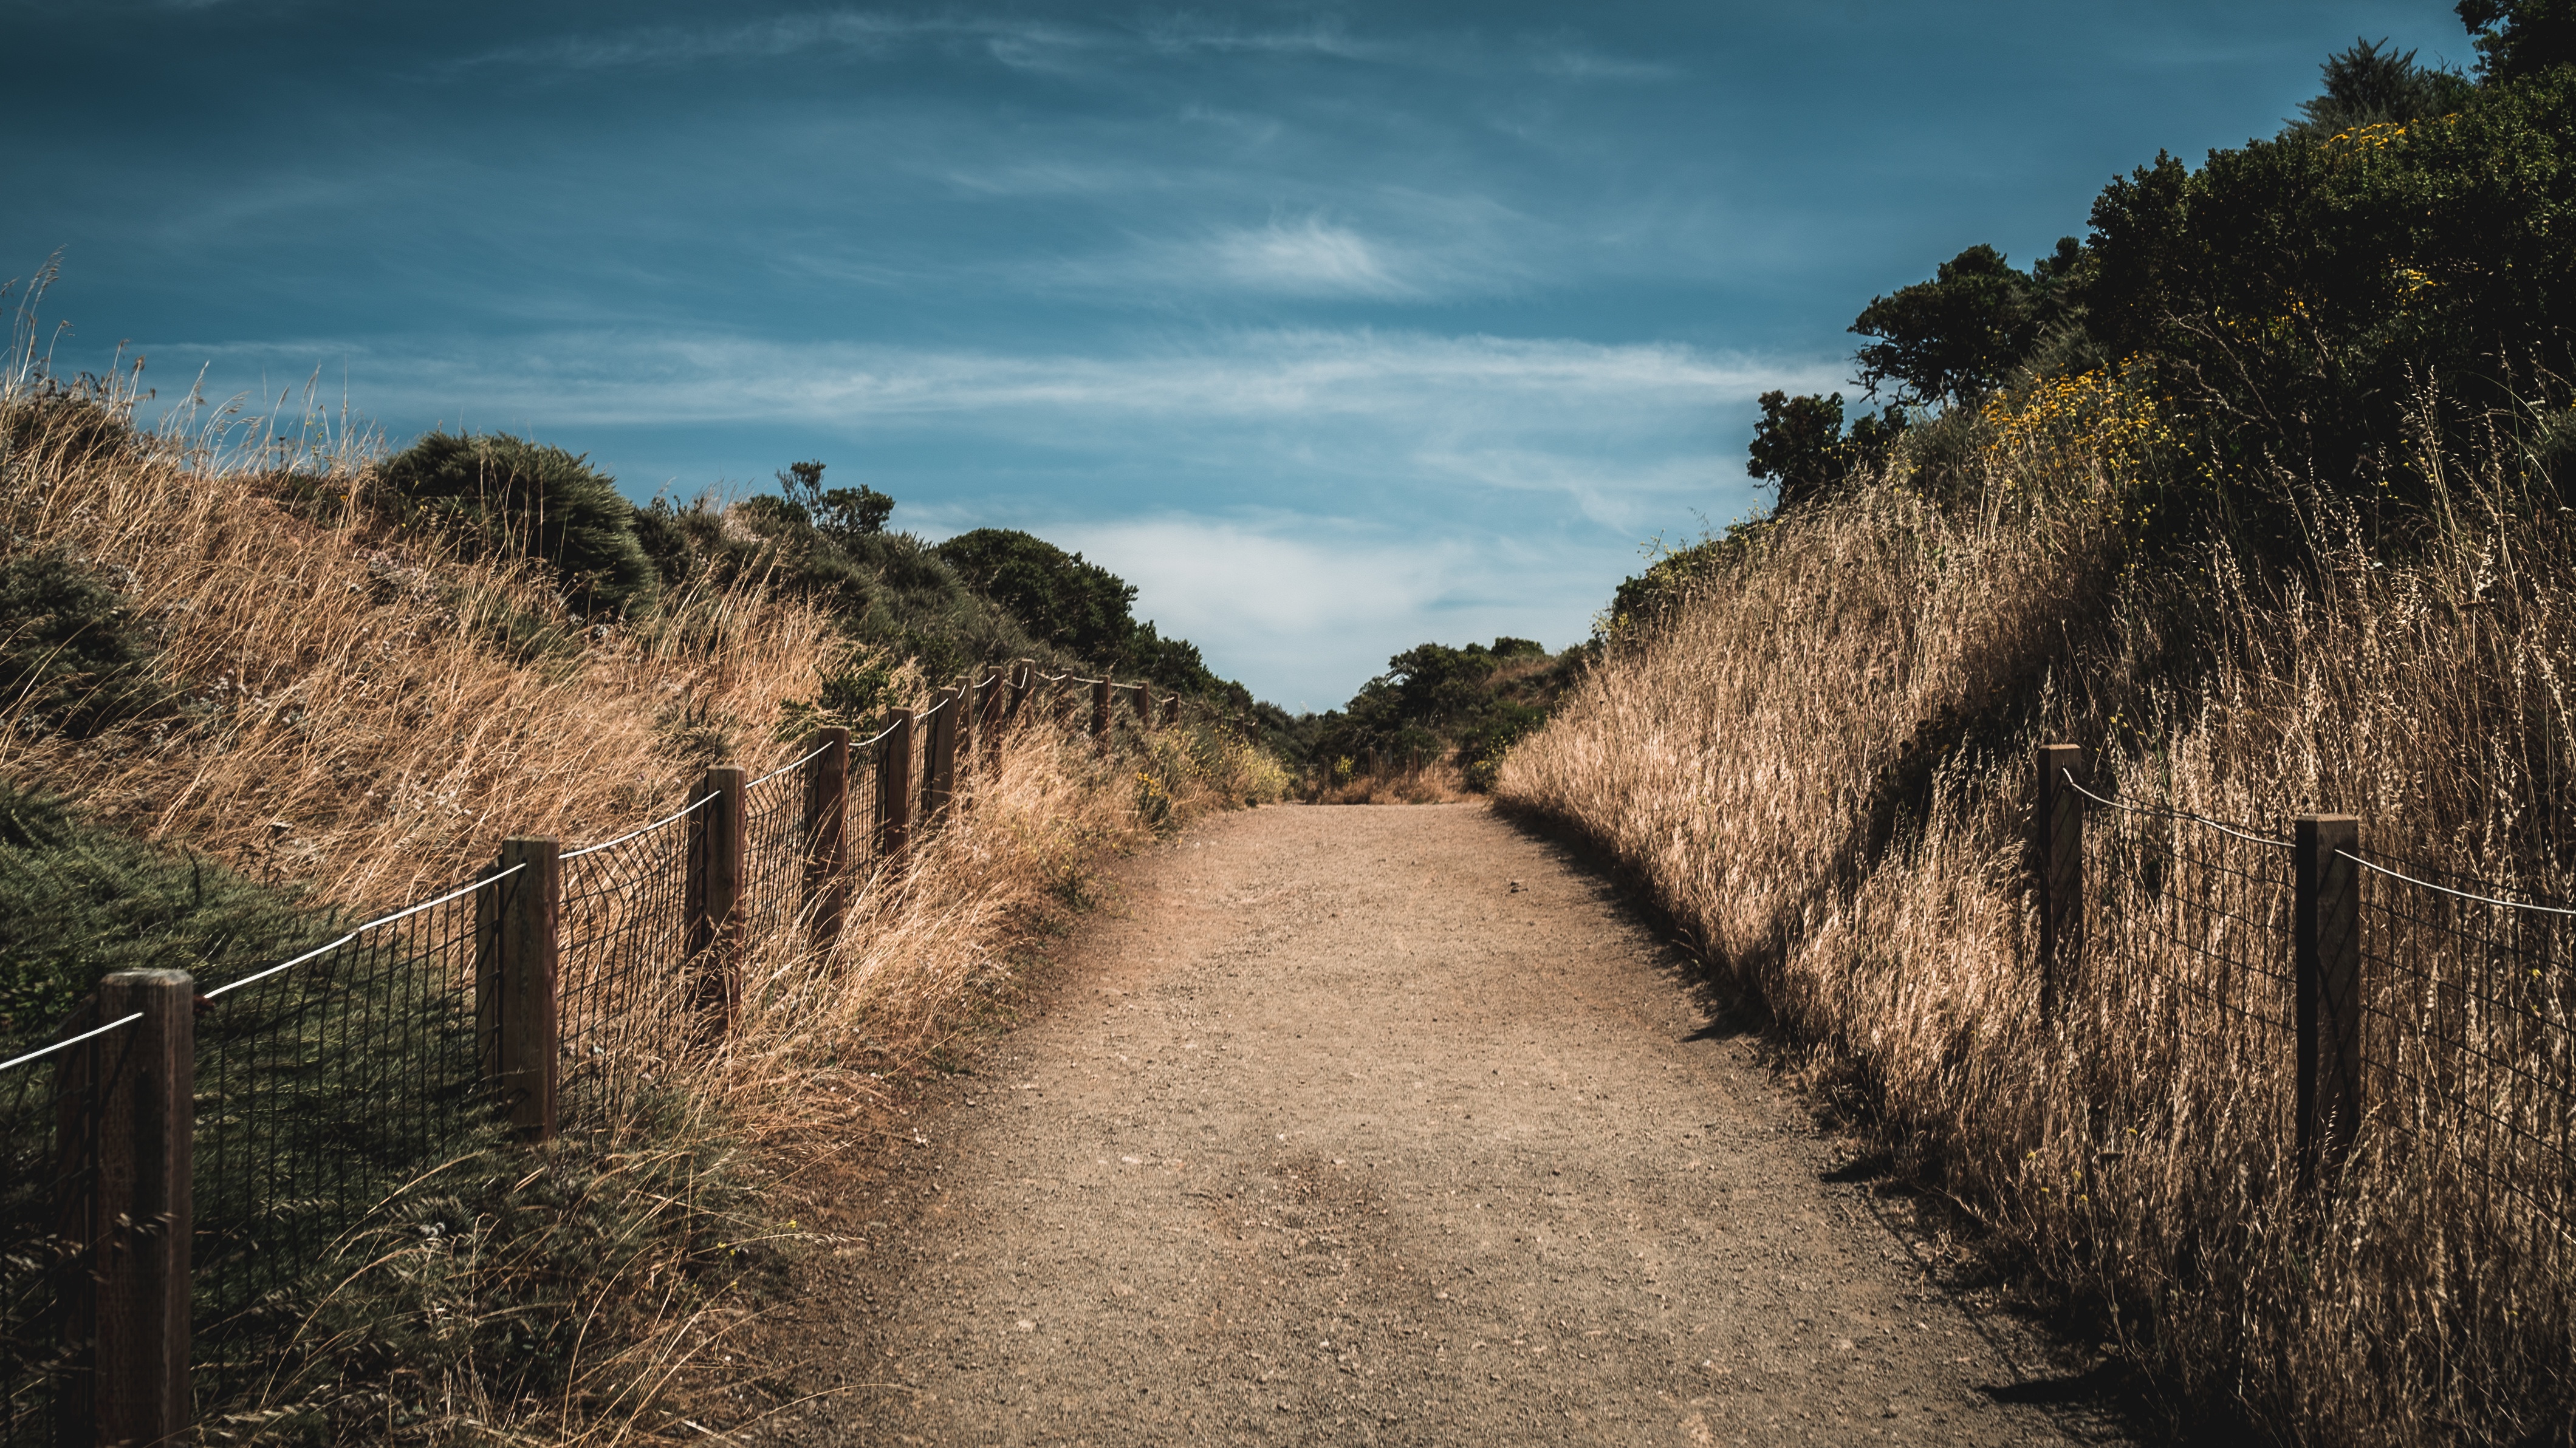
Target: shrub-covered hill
column 2259, row 496
column 977, row 599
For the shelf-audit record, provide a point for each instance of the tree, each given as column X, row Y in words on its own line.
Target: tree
column 2368, row 86
column 1062, row 600
column 1953, row 339
column 2517, row 39
column 1799, row 444
column 840, row 514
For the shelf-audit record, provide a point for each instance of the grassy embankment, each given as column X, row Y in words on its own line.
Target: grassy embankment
column 313, row 702
column 1819, row 761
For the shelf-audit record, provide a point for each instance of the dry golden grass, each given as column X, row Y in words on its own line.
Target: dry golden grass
column 1821, row 766
column 364, row 716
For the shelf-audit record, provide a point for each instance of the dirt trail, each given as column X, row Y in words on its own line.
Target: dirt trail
column 1333, row 1136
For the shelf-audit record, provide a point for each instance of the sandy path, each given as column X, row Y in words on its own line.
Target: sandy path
column 1332, row 1136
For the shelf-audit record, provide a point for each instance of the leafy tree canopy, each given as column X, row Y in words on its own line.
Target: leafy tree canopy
column 843, row 515
column 2520, row 38
column 1801, row 448
column 1061, row 599
column 2368, row 86
column 1953, row 339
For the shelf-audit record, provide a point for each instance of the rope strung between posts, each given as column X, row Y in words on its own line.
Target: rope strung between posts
column 2222, row 828
column 492, row 879
column 882, row 736
column 74, row 1041
column 2447, row 890
column 674, row 817
column 819, row 752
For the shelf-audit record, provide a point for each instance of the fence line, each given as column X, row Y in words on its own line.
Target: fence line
column 2364, row 1013
column 549, row 992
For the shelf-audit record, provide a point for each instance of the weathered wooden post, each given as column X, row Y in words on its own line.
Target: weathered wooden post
column 714, row 899
column 941, row 785
column 2325, row 933
column 130, row 1119
column 992, row 712
column 894, row 786
column 1100, row 710
column 1023, row 679
column 2057, row 861
column 515, row 1013
column 827, row 834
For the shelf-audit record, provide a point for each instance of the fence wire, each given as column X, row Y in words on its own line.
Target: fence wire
column 2187, row 956
column 2469, row 1045
column 45, row 1207
column 323, row 1092
column 621, row 955
column 777, row 846
column 336, row 1080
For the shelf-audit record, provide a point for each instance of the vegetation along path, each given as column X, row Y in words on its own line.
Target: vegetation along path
column 1386, row 1125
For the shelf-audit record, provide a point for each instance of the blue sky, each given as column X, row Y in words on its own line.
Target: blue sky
column 1332, row 329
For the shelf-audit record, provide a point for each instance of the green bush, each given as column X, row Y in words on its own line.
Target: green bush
column 73, row 656
column 78, row 901
column 511, row 495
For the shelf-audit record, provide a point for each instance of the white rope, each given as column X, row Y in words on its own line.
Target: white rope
column 672, row 818
column 818, row 753
column 925, row 714
column 2173, row 814
column 74, row 1041
column 370, row 925
column 2447, row 890
column 882, row 735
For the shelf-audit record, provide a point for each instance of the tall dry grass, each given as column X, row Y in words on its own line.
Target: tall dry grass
column 361, row 714
column 1821, row 765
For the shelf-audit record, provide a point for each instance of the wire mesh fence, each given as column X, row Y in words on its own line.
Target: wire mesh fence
column 45, row 1183
column 777, row 847
column 326, row 1088
column 621, row 999
column 2469, row 1049
column 333, row 1086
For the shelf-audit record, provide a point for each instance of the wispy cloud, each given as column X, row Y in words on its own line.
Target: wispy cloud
column 1055, row 47
column 1315, row 258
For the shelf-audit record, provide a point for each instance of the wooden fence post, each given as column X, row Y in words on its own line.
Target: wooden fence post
column 2057, row 859
column 894, row 786
column 827, row 834
column 941, row 785
column 137, row 1133
column 2326, row 952
column 1023, row 678
column 1100, row 710
column 714, row 898
column 992, row 702
column 514, row 983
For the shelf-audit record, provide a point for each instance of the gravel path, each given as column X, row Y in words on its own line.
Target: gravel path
column 1386, row 1125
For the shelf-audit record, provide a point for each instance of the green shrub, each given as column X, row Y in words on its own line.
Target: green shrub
column 73, row 656
column 78, row 901
column 511, row 495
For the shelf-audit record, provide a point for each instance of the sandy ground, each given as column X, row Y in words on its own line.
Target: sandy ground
column 1387, row 1125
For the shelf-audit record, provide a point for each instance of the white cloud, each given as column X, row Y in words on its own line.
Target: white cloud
column 1312, row 259
column 1308, row 609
